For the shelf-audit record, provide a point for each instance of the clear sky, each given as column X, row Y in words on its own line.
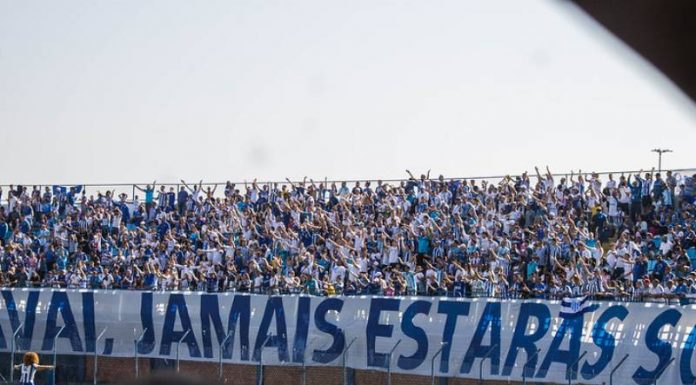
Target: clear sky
column 133, row 90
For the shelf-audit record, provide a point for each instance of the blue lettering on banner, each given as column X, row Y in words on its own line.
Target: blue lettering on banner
column 24, row 340
column 490, row 317
column 317, row 330
column 88, row 321
column 521, row 340
column 453, row 309
column 416, row 333
column 147, row 344
column 274, row 309
column 687, row 376
column 60, row 303
column 568, row 357
column 210, row 313
column 339, row 339
column 375, row 329
column 239, row 314
column 662, row 349
column 301, row 329
column 177, row 306
column 604, row 340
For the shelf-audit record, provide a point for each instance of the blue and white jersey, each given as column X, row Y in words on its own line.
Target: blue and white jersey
column 27, row 372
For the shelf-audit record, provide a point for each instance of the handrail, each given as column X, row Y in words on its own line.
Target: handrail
column 230, row 333
column 13, row 347
column 178, row 343
column 611, row 375
column 483, row 359
column 285, row 182
column 136, row 342
column 524, row 371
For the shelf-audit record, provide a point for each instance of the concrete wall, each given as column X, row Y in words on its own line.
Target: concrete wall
column 114, row 370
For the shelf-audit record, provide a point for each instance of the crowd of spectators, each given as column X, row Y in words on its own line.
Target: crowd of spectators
column 530, row 236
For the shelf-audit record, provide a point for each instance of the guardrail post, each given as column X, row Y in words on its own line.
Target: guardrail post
column 482, row 361
column 136, row 342
column 432, row 362
column 524, row 368
column 177, row 348
column 657, row 377
column 261, row 359
column 345, row 351
column 570, row 370
column 223, row 343
column 55, row 354
column 96, row 356
column 389, row 362
column 12, row 349
column 304, row 367
column 611, row 375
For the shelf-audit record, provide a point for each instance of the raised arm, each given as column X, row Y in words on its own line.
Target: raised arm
column 549, row 174
column 538, row 174
column 186, row 185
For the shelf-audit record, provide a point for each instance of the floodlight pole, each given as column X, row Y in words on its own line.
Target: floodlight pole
column 659, row 152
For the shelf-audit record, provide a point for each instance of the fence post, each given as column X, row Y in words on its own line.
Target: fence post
column 96, row 356
column 432, row 362
column 304, row 367
column 611, row 375
column 136, row 342
column 524, row 368
column 261, row 358
column 571, row 371
column 482, row 361
column 223, row 343
column 177, row 348
column 345, row 351
column 12, row 349
column 390, row 360
column 55, row 354
column 657, row 377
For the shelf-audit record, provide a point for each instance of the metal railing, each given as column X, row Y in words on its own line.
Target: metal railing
column 132, row 187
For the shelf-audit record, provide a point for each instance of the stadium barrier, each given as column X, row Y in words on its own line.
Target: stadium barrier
column 131, row 189
column 465, row 340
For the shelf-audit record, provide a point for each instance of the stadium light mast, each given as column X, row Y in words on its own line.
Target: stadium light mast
column 659, row 152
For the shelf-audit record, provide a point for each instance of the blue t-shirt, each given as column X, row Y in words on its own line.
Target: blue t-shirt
column 423, row 244
column 149, row 195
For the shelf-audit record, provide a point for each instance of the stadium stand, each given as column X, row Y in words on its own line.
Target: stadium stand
column 627, row 237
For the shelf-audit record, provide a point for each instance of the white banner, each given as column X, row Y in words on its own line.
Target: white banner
column 285, row 330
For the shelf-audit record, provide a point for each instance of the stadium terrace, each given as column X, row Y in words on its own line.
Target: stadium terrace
column 621, row 237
